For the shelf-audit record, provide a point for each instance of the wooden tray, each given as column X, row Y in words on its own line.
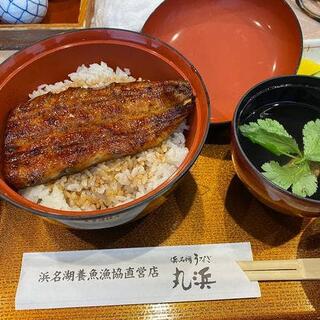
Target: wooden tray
column 211, row 205
column 62, row 15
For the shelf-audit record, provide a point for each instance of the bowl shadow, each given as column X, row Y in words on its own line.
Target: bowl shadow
column 219, row 134
column 258, row 220
column 149, row 231
column 309, row 247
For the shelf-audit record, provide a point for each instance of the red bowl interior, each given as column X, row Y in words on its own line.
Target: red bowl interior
column 233, row 43
column 51, row 60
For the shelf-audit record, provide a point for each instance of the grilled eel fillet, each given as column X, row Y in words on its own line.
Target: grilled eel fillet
column 57, row 134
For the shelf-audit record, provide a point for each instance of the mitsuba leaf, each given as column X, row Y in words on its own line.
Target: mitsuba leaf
column 300, row 174
column 273, row 126
column 271, row 135
column 297, row 176
column 311, row 140
column 307, row 185
column 281, row 176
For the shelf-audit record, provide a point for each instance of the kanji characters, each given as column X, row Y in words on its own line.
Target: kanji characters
column 176, row 280
column 44, row 277
column 117, row 273
column 81, row 275
column 93, row 274
column 56, row 276
column 105, row 274
column 129, row 273
column 204, row 278
column 141, row 272
column 153, row 272
column 200, row 278
column 68, row 275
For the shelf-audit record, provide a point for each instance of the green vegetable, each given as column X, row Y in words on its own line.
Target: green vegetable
column 271, row 135
column 300, row 173
column 311, row 140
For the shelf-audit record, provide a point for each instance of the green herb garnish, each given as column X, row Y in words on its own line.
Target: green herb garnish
column 301, row 172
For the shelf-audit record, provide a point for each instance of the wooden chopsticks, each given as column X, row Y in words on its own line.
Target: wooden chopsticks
column 282, row 270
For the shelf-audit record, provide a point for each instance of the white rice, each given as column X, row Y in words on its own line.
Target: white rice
column 113, row 182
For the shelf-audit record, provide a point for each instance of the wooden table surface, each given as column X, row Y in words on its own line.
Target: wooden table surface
column 210, row 206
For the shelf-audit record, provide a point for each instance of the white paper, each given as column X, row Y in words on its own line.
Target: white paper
column 171, row 274
column 123, row 14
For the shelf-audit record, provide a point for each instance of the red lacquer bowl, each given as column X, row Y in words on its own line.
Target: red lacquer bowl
column 233, row 43
column 51, row 60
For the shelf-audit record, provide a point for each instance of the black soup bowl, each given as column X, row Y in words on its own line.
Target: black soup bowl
column 293, row 101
